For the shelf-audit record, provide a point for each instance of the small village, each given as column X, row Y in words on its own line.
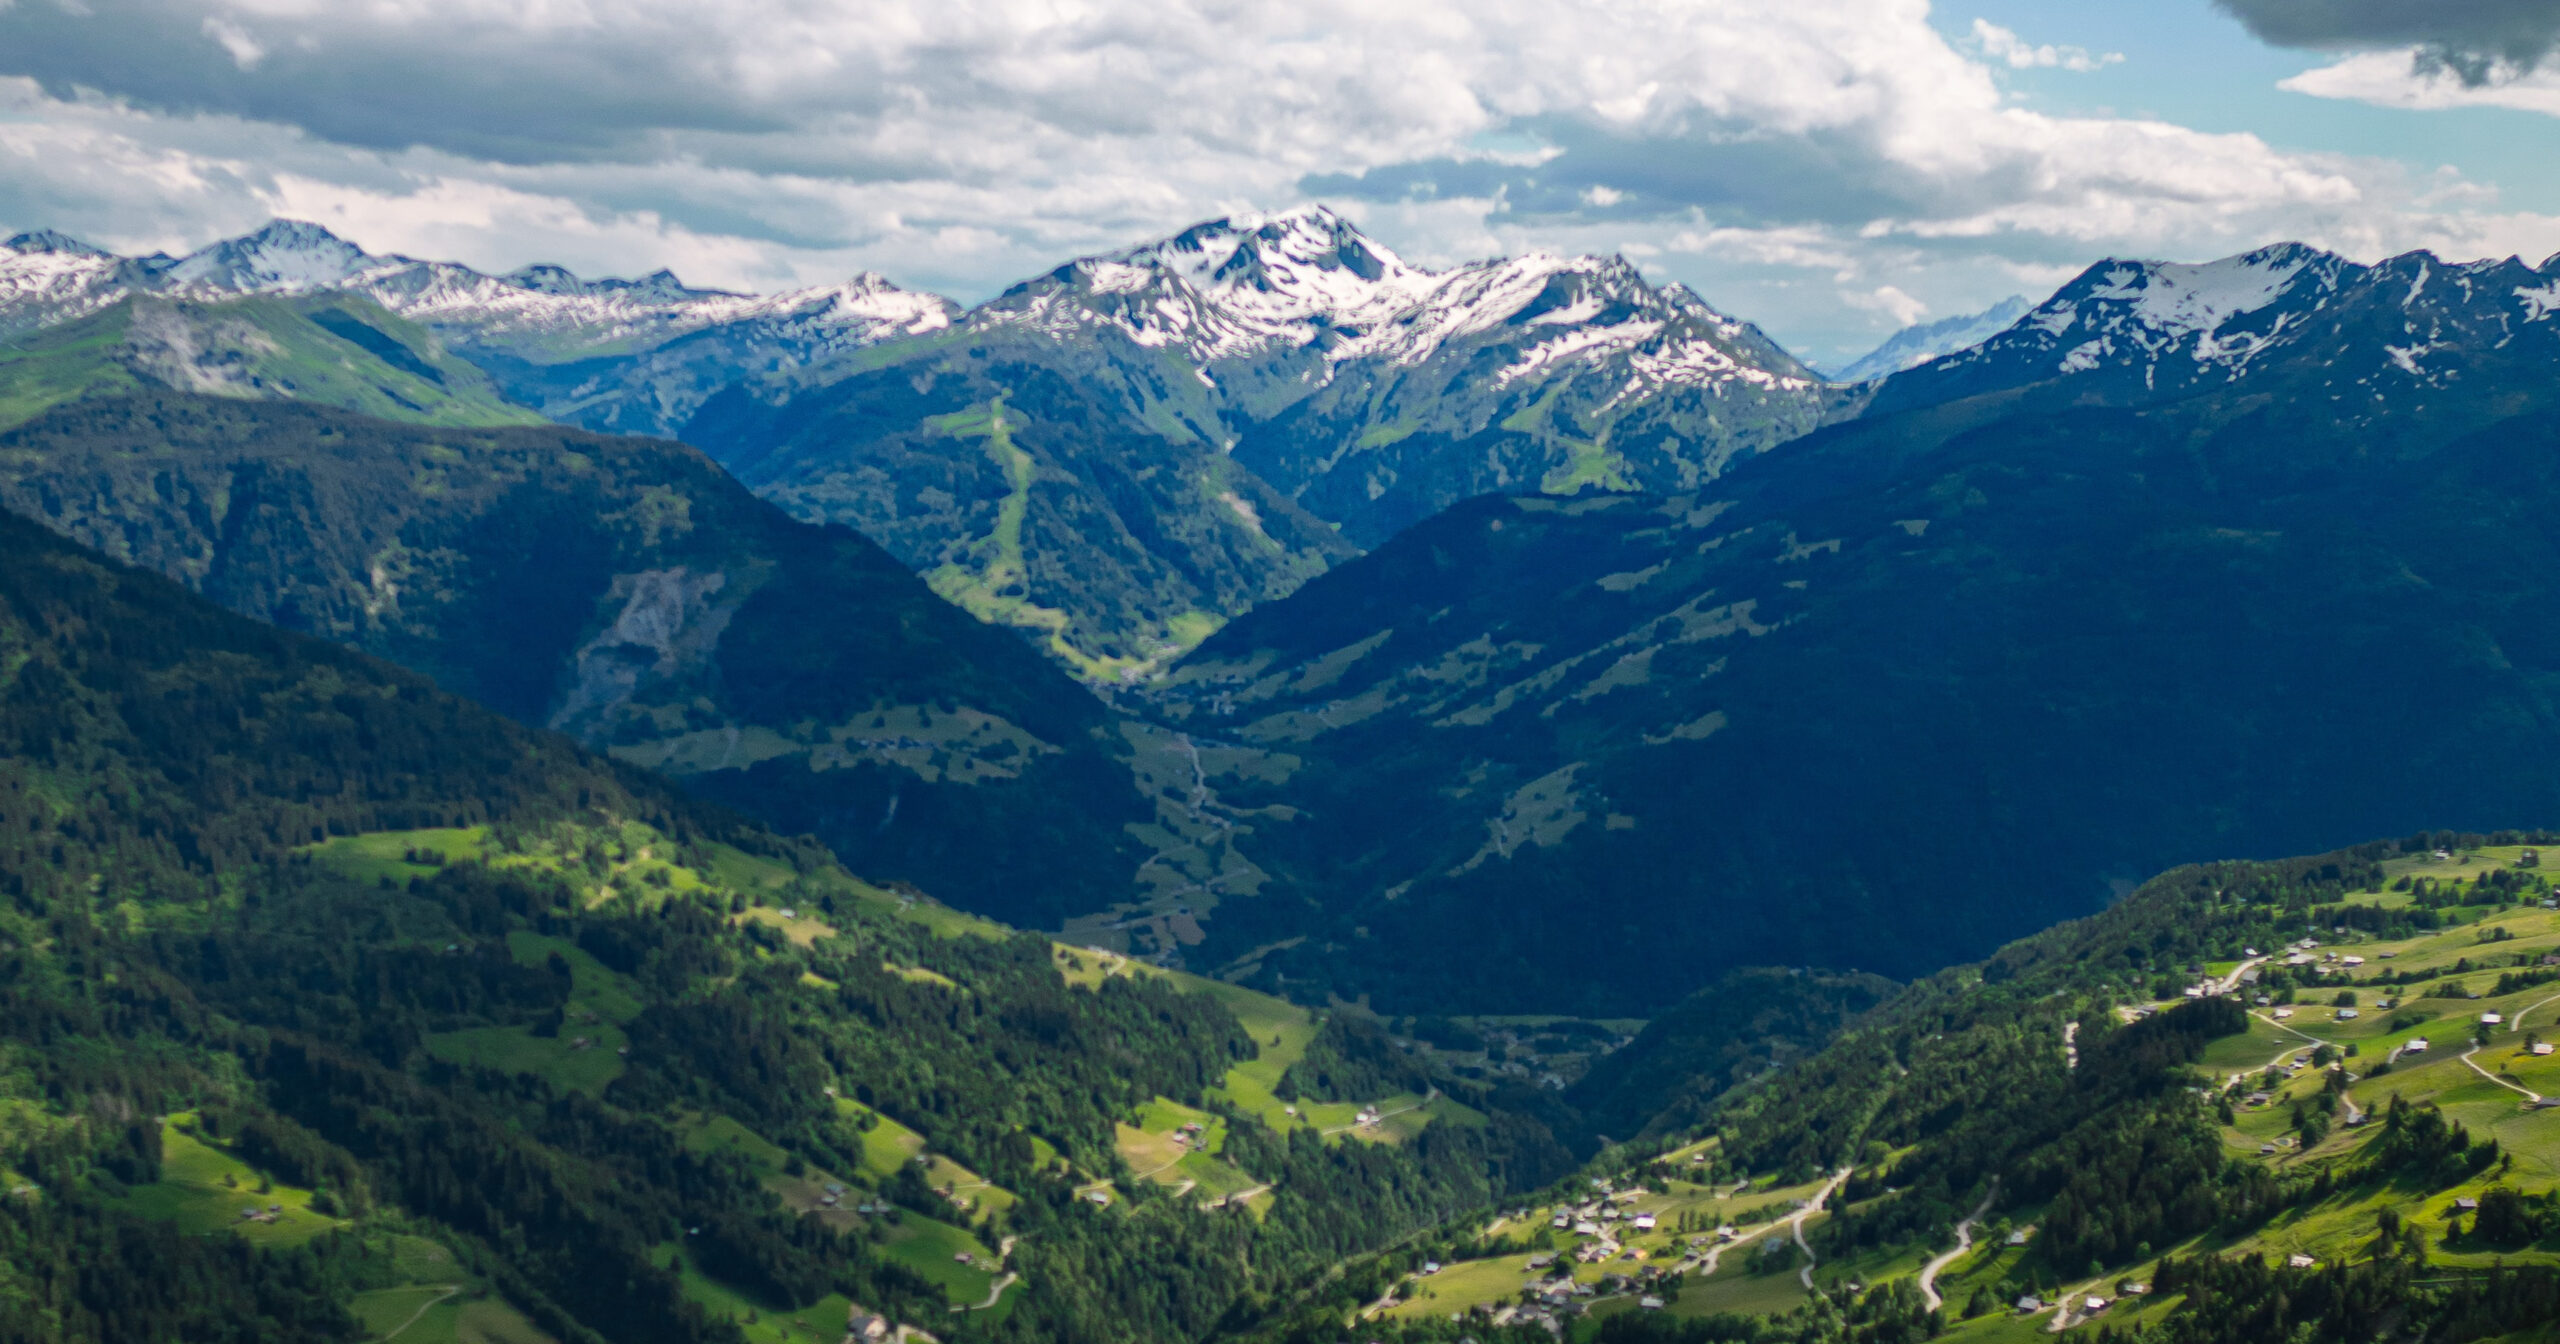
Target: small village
column 2341, row 1020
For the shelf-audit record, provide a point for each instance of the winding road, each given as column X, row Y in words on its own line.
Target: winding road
column 995, row 1291
column 1427, row 1098
column 1707, row 1265
column 2282, row 1055
column 1811, row 1206
column 2531, row 1097
column 2231, row 982
column 1238, row 1197
column 423, row 1307
column 1964, row 1242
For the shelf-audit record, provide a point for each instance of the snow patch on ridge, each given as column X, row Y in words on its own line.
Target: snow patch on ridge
column 48, row 278
column 1263, row 285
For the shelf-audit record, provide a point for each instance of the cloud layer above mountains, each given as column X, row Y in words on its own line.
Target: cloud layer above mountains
column 1812, row 163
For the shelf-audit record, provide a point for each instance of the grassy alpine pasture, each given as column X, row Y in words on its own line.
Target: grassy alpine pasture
column 758, row 1322
column 585, row 1054
column 629, row 863
column 427, row 1314
column 439, row 1303
column 1281, row 1032
column 204, row 1188
column 2435, row 984
column 933, row 1250
column 927, row 1246
column 1157, row 1149
column 1463, row 1287
column 1737, row 1287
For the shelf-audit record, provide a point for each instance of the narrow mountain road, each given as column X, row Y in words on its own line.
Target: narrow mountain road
column 1744, row 1237
column 1964, row 1242
column 2231, row 982
column 2071, row 1045
column 995, row 1292
column 1811, row 1206
column 423, row 1307
column 2531, row 1097
column 1201, row 796
column 1427, row 1098
column 2518, row 1024
column 2282, row 1055
column 1238, row 1197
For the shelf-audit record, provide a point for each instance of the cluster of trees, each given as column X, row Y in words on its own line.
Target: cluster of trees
column 71, row 1271
column 165, row 947
column 516, row 544
column 2244, row 1299
column 1891, row 1314
column 2421, row 1142
column 1351, row 1058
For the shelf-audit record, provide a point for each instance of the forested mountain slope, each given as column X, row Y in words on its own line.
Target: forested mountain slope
column 333, row 1003
column 1115, row 456
column 626, row 592
column 2290, row 1099
column 1129, row 449
column 1918, row 683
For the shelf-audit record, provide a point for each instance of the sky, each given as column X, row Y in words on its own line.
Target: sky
column 1830, row 169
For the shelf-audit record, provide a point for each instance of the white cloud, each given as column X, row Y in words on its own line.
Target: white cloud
column 244, row 49
column 2403, row 79
column 2000, row 44
column 1888, row 300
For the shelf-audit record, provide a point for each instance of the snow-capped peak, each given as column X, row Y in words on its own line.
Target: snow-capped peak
column 1309, row 262
column 2140, row 329
column 286, row 256
column 1919, row 343
column 1251, row 286
column 2161, row 319
column 2190, row 299
column 50, row 243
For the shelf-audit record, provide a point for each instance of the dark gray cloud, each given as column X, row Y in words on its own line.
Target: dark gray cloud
column 2476, row 39
column 1726, row 172
column 483, row 90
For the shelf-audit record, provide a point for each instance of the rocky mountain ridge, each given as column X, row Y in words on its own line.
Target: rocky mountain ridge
column 539, row 329
column 1921, row 342
column 2135, row 332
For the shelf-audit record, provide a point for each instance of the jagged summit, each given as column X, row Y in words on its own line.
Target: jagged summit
column 52, row 243
column 1254, row 287
column 1309, row 262
column 2135, row 328
column 529, row 319
column 283, row 256
column 1921, row 342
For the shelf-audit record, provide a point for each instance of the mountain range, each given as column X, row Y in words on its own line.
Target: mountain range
column 1694, row 581
column 418, row 919
column 2145, row 576
column 1921, row 342
column 1116, row 456
column 622, row 356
